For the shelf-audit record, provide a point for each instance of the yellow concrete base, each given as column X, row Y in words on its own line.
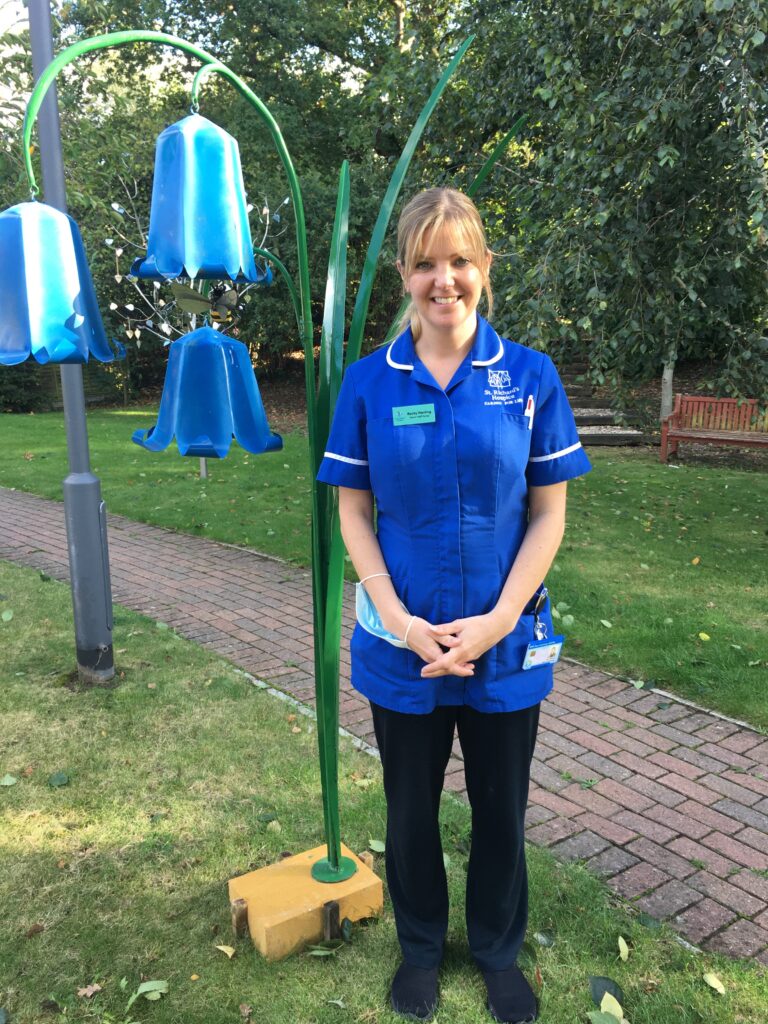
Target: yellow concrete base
column 285, row 903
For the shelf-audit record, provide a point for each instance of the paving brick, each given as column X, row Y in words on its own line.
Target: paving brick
column 726, row 892
column 730, row 789
column 680, row 823
column 760, row 754
column 610, row 862
column 670, row 714
column 710, row 860
column 730, row 758
column 626, row 741
column 677, row 735
column 580, row 847
column 591, row 800
column 637, row 880
column 566, row 746
column 753, row 883
column 693, row 790
column 668, row 900
column 752, row 781
column 548, row 777
column 741, row 742
column 677, row 766
column 623, row 795
column 598, row 765
column 608, row 828
column 567, row 766
column 737, row 851
column 699, row 760
column 717, row 730
column 694, row 720
column 702, row 920
column 661, row 857
column 657, row 791
column 639, row 765
column 645, row 827
column 555, row 803
column 755, row 838
column 698, row 812
column 552, row 831
column 594, row 743
column 609, row 687
column 747, row 815
column 536, row 815
column 742, row 939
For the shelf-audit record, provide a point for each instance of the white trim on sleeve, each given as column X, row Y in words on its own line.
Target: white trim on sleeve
column 343, row 458
column 556, row 455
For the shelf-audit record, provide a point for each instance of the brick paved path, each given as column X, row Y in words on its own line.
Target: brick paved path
column 675, row 813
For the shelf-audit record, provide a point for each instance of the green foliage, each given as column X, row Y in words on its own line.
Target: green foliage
column 20, row 389
column 636, row 207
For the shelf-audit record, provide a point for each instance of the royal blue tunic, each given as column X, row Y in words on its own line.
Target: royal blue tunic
column 450, row 471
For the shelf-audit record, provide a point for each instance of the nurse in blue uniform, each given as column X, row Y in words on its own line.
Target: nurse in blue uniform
column 464, row 441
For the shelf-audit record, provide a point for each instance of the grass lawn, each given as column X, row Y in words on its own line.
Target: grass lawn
column 664, row 569
column 184, row 775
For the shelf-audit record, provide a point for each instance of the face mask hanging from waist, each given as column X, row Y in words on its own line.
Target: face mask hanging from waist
column 370, row 620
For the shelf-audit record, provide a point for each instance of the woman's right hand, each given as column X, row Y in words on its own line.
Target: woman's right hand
column 421, row 642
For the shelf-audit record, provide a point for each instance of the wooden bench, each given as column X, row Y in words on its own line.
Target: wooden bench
column 713, row 421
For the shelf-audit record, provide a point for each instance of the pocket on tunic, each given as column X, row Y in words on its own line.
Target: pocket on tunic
column 401, row 461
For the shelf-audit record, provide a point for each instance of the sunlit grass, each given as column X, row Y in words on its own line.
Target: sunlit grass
column 174, row 778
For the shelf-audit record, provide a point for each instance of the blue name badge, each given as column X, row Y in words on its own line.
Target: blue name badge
column 406, row 415
column 543, row 652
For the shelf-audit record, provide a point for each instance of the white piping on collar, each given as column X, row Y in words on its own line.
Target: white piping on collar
column 392, row 363
column 496, row 358
column 475, row 362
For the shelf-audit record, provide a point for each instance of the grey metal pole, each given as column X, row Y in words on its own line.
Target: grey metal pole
column 84, row 511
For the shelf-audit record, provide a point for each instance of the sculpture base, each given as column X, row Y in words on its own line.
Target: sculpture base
column 284, row 907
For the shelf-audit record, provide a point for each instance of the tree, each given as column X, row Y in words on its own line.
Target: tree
column 638, row 201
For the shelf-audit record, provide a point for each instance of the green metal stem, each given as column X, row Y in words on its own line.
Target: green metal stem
column 206, row 69
column 286, row 277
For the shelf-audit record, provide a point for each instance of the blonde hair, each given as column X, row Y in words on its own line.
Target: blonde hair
column 434, row 210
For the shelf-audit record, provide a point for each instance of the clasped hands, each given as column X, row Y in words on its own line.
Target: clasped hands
column 466, row 640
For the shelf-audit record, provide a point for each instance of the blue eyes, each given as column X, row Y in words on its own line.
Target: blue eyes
column 460, row 261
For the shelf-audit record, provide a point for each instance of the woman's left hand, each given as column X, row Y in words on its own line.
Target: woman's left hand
column 475, row 636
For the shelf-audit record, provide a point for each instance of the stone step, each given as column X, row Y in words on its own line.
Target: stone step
column 576, row 392
column 603, row 418
column 599, row 435
column 589, row 402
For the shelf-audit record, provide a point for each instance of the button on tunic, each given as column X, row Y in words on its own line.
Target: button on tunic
column 449, row 471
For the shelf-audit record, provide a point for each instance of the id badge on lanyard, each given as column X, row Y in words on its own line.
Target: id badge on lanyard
column 541, row 650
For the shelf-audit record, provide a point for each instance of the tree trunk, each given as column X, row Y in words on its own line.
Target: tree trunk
column 667, row 377
column 400, row 43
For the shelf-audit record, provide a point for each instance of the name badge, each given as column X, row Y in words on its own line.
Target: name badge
column 543, row 652
column 406, row 415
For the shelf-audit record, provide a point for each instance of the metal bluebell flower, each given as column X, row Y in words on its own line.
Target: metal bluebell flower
column 48, row 305
column 198, row 222
column 210, row 394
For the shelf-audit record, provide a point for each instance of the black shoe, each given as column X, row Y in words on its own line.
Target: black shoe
column 510, row 997
column 414, row 992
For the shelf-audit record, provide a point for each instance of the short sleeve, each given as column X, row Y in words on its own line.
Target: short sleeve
column 556, row 451
column 345, row 462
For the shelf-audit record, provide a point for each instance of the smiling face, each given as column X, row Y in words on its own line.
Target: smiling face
column 445, row 283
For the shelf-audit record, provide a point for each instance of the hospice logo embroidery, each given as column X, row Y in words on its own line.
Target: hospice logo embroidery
column 500, row 390
column 499, row 379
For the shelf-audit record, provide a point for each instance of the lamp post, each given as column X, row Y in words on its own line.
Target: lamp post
column 84, row 511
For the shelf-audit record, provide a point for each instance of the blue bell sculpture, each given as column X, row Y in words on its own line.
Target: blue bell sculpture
column 210, row 394
column 198, row 222
column 48, row 305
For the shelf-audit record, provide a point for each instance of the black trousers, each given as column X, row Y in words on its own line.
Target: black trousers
column 497, row 750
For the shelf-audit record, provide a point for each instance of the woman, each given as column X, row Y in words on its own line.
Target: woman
column 465, row 441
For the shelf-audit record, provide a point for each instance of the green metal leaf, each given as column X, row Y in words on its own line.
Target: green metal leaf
column 360, row 314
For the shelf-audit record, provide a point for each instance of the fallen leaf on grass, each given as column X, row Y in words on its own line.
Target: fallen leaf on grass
column 50, row 1006
column 89, row 991
column 704, row 636
column 538, row 978
column 34, row 930
column 274, row 826
column 8, row 780
column 598, row 986
column 194, row 977
column 546, row 939
column 376, row 845
column 296, row 728
column 290, row 718
column 696, row 560
column 714, row 982
column 229, row 950
column 7, row 615
column 606, row 623
column 610, row 1004
column 337, row 1002
column 623, row 948
column 245, row 1011
column 58, row 779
